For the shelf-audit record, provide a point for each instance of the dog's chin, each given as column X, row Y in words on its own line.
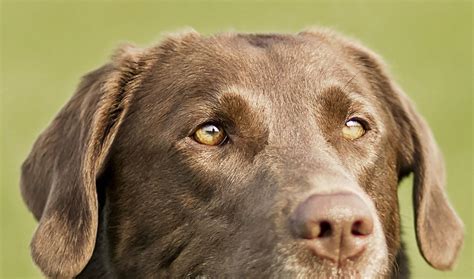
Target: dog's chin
column 326, row 269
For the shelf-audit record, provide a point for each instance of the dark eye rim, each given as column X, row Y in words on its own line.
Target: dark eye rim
column 224, row 140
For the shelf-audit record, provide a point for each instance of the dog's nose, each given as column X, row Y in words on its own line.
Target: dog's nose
column 337, row 226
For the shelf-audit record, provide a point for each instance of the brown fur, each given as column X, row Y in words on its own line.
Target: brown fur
column 121, row 190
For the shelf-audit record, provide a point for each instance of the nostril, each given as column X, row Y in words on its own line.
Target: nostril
column 355, row 230
column 361, row 228
column 325, row 229
column 335, row 227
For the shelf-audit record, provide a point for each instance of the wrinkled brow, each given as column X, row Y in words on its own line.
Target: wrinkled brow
column 240, row 110
column 343, row 102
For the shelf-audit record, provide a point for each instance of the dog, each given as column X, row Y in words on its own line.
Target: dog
column 237, row 155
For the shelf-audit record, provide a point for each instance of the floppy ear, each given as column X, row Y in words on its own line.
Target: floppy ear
column 439, row 231
column 58, row 180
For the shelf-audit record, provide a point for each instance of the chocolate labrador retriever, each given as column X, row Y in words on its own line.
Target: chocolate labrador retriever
column 237, row 155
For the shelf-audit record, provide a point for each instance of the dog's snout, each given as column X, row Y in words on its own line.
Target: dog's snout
column 336, row 226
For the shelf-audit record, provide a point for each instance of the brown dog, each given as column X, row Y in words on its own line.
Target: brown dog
column 237, row 155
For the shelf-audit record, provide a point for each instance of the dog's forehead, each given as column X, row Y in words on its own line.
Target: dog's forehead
column 270, row 63
column 282, row 79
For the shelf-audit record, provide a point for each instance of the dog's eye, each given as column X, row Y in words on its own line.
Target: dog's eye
column 210, row 134
column 353, row 129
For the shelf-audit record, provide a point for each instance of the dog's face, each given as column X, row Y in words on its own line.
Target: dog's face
column 269, row 155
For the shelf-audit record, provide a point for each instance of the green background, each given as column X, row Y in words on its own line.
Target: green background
column 47, row 45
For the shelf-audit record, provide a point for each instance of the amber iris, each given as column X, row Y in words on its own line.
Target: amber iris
column 353, row 130
column 210, row 134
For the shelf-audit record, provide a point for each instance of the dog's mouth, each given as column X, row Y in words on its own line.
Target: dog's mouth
column 348, row 268
column 320, row 258
column 334, row 271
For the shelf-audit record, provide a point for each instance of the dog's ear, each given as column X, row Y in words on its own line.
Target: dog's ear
column 439, row 230
column 58, row 180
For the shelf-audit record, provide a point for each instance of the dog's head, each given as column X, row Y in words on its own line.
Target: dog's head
column 237, row 154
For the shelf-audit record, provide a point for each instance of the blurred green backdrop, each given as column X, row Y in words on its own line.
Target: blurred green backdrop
column 47, row 45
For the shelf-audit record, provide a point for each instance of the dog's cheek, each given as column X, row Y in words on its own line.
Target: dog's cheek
column 173, row 206
column 380, row 183
column 146, row 202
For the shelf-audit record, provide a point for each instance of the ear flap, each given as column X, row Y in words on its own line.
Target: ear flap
column 439, row 230
column 58, row 180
